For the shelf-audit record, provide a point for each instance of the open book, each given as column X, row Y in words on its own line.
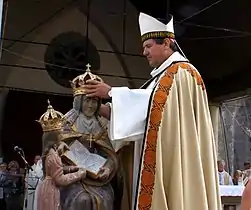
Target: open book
column 80, row 156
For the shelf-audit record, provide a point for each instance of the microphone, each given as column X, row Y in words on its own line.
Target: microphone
column 18, row 149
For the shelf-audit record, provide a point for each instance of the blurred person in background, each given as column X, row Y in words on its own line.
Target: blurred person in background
column 13, row 187
column 246, row 172
column 237, row 178
column 224, row 177
column 33, row 178
column 3, row 170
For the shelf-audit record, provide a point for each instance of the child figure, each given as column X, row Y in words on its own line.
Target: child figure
column 54, row 177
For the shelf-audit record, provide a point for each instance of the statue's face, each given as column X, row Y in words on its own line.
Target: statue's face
column 90, row 106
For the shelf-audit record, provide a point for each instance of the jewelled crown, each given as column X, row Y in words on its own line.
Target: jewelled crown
column 78, row 82
column 51, row 120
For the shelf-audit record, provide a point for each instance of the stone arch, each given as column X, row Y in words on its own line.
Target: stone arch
column 112, row 64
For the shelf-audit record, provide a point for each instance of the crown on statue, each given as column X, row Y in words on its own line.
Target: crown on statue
column 78, row 82
column 51, row 120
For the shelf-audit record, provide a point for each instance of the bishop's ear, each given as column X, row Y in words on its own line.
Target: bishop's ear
column 167, row 42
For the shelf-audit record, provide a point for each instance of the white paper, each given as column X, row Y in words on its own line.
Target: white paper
column 78, row 152
column 94, row 163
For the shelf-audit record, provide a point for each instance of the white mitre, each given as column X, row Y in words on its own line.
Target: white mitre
column 152, row 28
column 169, row 26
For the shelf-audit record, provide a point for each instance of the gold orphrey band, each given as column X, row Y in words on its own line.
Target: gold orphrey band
column 159, row 34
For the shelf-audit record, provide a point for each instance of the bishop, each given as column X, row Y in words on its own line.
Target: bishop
column 169, row 120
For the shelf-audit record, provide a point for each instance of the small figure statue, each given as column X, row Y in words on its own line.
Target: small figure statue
column 54, row 177
column 95, row 192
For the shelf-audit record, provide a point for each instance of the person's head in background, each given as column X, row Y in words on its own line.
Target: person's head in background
column 237, row 174
column 221, row 165
column 3, row 167
column 247, row 165
column 13, row 167
column 36, row 159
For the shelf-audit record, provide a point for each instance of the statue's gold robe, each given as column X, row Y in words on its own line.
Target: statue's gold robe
column 177, row 167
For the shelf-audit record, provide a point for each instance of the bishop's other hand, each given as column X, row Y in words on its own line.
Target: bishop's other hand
column 97, row 89
column 105, row 111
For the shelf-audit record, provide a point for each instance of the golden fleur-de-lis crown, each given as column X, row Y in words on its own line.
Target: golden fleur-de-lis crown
column 78, row 82
column 51, row 120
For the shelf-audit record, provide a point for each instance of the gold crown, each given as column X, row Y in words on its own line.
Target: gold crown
column 78, row 82
column 51, row 120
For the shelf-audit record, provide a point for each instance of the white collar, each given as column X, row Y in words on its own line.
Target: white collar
column 176, row 56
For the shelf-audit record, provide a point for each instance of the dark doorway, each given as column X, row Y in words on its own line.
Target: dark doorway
column 19, row 125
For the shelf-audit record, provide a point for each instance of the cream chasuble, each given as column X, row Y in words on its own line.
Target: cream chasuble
column 178, row 169
column 134, row 102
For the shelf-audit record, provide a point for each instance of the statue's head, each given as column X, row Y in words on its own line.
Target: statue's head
column 89, row 106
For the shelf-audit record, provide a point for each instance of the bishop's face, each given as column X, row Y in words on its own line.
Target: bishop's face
column 90, row 106
column 156, row 53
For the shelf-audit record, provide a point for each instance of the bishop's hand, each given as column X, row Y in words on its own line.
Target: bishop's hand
column 105, row 111
column 97, row 89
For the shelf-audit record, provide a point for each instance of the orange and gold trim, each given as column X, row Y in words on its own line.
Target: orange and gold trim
column 146, row 184
column 157, row 34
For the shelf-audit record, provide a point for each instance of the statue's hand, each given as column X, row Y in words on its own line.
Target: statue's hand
column 82, row 173
column 62, row 148
column 104, row 173
column 70, row 169
column 73, row 169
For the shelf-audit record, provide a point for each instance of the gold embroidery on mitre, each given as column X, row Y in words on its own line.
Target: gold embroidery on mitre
column 51, row 120
column 78, row 83
column 157, row 34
